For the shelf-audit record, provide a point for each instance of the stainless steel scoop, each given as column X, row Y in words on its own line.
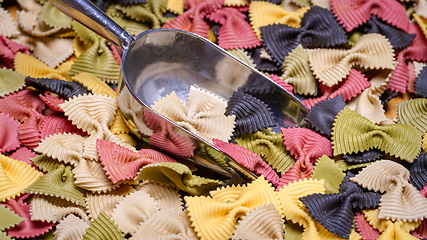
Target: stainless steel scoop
column 158, row 62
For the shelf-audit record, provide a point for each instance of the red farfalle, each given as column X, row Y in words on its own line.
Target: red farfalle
column 421, row 230
column 116, row 54
column 8, row 50
column 235, row 32
column 9, row 138
column 192, row 20
column 55, row 124
column 353, row 13
column 417, row 51
column 53, row 101
column 249, row 160
column 121, row 163
column 307, row 146
column 165, row 138
column 29, row 132
column 352, row 86
column 24, row 154
column 27, row 228
column 366, row 231
column 282, row 83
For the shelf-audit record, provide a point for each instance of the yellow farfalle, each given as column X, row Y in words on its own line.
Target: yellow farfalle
column 294, row 210
column 175, row 6
column 353, row 133
column 372, row 51
column 15, row 176
column 390, row 229
column 402, row 201
column 297, row 72
column 422, row 22
column 31, row 66
column 215, row 219
column 203, row 114
column 94, row 84
column 265, row 13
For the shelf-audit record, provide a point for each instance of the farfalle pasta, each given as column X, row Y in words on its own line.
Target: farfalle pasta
column 32, row 115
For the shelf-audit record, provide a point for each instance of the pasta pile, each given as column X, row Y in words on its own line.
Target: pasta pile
column 71, row 168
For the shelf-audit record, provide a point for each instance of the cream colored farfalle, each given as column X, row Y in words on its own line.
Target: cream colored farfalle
column 204, row 114
column 421, row 8
column 67, row 147
column 53, row 51
column 30, row 21
column 95, row 203
column 93, row 114
column 165, row 224
column 322, row 3
column 372, row 51
column 165, row 197
column 254, row 225
column 132, row 210
column 90, row 175
column 53, row 209
column 71, row 227
column 368, row 103
column 8, row 27
column 402, row 201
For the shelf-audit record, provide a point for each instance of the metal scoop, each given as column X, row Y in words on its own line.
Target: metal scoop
column 158, row 62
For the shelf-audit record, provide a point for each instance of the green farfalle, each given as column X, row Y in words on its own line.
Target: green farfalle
column 329, row 171
column 8, row 218
column 270, row 147
column 97, row 60
column 414, row 112
column 353, row 133
column 213, row 157
column 297, row 72
column 53, row 17
column 242, row 56
column 83, row 33
column 10, row 81
column 132, row 27
column 345, row 166
column 46, row 163
column 103, row 228
column 293, row 231
column 140, row 13
column 159, row 7
column 179, row 176
column 58, row 183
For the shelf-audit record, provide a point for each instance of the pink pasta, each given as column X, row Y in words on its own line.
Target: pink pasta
column 363, row 227
column 248, row 159
column 235, row 32
column 352, row 86
column 27, row 228
column 121, row 163
column 8, row 50
column 55, row 124
column 282, row 83
column 417, row 51
column 353, row 13
column 9, row 139
column 52, row 101
column 24, row 154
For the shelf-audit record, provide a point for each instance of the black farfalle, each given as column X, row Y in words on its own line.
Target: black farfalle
column 251, row 113
column 418, row 171
column 263, row 64
column 397, row 38
column 363, row 157
column 336, row 211
column 126, row 2
column 322, row 115
column 103, row 4
column 64, row 89
column 387, row 96
column 421, row 83
column 319, row 28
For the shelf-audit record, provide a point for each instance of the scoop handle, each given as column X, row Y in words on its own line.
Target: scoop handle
column 88, row 14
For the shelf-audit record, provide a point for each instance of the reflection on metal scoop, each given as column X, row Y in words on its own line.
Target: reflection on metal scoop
column 157, row 62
